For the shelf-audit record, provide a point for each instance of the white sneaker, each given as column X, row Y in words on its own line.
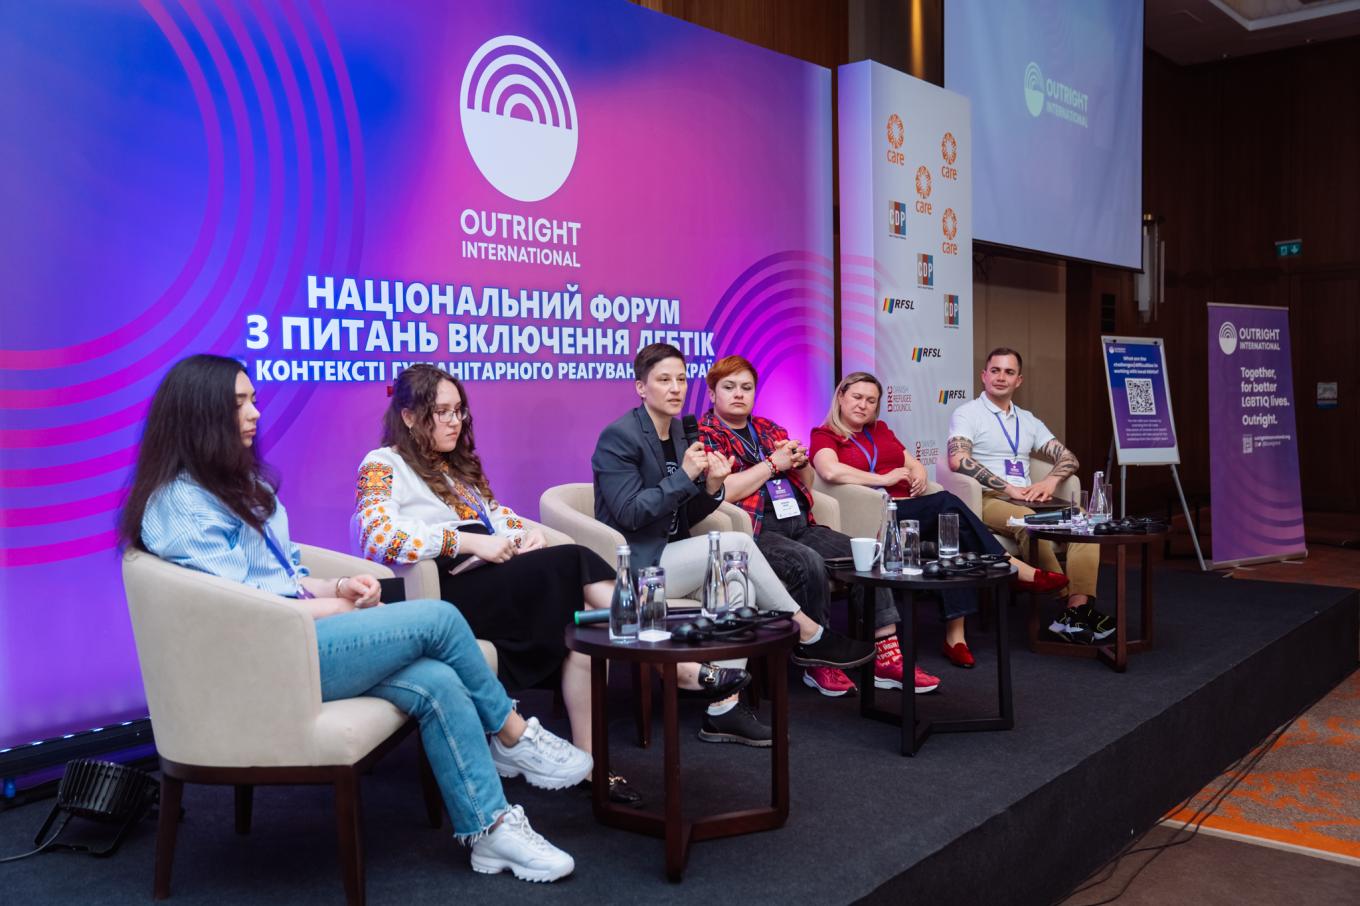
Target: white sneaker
column 546, row 760
column 517, row 846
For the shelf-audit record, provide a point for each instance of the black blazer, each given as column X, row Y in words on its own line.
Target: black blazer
column 633, row 493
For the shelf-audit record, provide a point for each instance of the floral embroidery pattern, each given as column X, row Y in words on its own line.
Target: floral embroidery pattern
column 450, row 546
column 375, row 484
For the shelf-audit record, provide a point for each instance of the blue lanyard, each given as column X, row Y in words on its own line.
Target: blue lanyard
column 1015, row 444
column 872, row 460
column 753, row 448
column 277, row 550
column 475, row 500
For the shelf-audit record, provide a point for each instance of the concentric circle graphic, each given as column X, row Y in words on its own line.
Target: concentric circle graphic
column 1227, row 338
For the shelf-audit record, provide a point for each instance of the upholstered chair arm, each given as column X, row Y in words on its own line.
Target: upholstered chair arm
column 963, row 487
column 329, row 564
column 585, row 530
column 861, row 507
column 826, row 510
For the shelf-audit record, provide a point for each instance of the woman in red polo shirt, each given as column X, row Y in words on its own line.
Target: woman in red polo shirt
column 853, row 446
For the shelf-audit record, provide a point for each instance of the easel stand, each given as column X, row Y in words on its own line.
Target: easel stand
column 1180, row 492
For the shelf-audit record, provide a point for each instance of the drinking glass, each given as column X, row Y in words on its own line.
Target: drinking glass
column 736, row 579
column 910, row 532
column 652, row 605
column 949, row 535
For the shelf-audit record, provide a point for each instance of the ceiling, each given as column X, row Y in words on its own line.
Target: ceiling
column 1202, row 31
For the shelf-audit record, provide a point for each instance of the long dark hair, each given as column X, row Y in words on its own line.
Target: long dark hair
column 193, row 427
column 414, row 391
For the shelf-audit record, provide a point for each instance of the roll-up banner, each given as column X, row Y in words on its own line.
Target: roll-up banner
column 1253, row 447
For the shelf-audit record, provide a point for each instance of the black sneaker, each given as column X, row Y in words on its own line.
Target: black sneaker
column 1100, row 624
column 1070, row 627
column 739, row 725
column 717, row 683
column 833, row 650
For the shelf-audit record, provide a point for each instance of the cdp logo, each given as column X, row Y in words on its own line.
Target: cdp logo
column 949, row 225
column 925, row 271
column 949, row 150
column 519, row 118
column 1227, row 338
column 896, row 136
column 922, row 190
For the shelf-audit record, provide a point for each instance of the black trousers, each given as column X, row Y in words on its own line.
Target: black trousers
column 797, row 552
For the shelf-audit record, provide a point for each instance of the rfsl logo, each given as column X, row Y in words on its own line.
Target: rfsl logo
column 922, row 190
column 891, row 305
column 897, row 399
column 1227, row 338
column 925, row 271
column 949, row 150
column 897, row 219
column 947, row 395
column 949, row 225
column 951, row 310
column 896, row 136
column 519, row 118
column 919, row 353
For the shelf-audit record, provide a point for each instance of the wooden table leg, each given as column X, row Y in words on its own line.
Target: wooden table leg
column 1001, row 600
column 675, row 832
column 909, row 742
column 642, row 714
column 866, row 632
column 1121, row 608
column 779, row 727
column 599, row 735
column 1147, row 620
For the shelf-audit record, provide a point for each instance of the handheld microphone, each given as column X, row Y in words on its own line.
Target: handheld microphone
column 691, row 428
column 584, row 617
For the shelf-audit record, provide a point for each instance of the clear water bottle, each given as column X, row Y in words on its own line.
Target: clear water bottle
column 623, row 607
column 892, row 541
column 714, row 600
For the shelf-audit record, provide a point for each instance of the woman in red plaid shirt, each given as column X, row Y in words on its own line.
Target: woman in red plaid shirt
column 771, row 480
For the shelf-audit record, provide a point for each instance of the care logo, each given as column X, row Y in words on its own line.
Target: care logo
column 897, row 219
column 949, row 150
column 896, row 136
column 519, row 118
column 1034, row 89
column 948, row 395
column 949, row 225
column 925, row 271
column 922, row 190
column 897, row 398
column 921, row 353
column 1227, row 338
column 951, row 310
column 891, row 304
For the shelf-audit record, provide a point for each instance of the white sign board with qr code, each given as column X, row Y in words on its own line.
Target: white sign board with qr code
column 1140, row 400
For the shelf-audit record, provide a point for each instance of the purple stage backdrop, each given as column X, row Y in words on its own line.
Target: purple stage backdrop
column 1253, row 448
column 523, row 192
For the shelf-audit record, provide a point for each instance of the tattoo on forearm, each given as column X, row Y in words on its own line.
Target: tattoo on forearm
column 1064, row 463
column 967, row 465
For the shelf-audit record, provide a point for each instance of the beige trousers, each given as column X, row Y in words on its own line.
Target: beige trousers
column 1083, row 560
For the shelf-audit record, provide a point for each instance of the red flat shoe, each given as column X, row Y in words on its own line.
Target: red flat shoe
column 1042, row 583
column 958, row 654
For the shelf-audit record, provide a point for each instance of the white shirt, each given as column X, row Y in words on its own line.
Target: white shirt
column 992, row 432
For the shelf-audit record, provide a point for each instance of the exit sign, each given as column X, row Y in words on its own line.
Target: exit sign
column 1288, row 248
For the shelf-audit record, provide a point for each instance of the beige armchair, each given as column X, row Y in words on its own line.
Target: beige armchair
column 859, row 509
column 970, row 492
column 233, row 686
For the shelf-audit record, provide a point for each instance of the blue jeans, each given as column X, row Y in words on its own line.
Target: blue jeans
column 422, row 657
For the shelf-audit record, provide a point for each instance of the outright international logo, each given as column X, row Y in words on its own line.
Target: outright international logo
column 1056, row 98
column 891, row 305
column 519, row 118
column 925, row 271
column 927, row 452
column 949, row 150
column 1227, row 338
column 897, row 219
column 920, row 353
column 922, row 190
column 897, row 398
column 948, row 395
column 951, row 310
column 896, row 136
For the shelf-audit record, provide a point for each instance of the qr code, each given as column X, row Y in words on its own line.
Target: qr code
column 1140, row 396
column 1246, row 443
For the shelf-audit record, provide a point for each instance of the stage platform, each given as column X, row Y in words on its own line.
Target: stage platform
column 1007, row 817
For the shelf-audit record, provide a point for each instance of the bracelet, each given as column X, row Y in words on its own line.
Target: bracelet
column 769, row 461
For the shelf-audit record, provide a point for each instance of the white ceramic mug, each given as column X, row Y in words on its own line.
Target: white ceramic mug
column 865, row 552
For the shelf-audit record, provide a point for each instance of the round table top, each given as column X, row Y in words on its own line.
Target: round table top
column 593, row 640
column 1070, row 537
column 878, row 578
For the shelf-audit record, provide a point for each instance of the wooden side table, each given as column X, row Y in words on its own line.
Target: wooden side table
column 916, row 732
column 1115, row 656
column 772, row 643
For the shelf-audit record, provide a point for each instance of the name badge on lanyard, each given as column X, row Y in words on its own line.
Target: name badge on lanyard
column 1015, row 468
column 277, row 550
column 783, row 497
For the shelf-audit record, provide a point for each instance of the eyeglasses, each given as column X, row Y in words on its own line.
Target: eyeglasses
column 449, row 416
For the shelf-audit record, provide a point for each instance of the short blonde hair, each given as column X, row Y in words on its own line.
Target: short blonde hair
column 833, row 415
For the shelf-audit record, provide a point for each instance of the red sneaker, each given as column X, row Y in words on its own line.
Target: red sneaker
column 887, row 663
column 829, row 681
column 1042, row 583
column 958, row 654
column 925, row 682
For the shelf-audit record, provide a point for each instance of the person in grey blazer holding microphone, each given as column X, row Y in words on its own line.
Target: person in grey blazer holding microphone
column 652, row 483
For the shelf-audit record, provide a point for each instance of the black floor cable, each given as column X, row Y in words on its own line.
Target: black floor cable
column 1244, row 765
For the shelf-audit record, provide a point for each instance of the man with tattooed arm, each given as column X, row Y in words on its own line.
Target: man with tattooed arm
column 991, row 440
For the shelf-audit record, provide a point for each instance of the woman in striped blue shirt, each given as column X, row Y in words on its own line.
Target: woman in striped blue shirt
column 203, row 499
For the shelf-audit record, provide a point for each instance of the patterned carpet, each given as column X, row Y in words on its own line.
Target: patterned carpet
column 1305, row 791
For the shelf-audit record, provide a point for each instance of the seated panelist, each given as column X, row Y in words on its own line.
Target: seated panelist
column 652, row 483
column 201, row 498
column 771, row 480
column 854, row 446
